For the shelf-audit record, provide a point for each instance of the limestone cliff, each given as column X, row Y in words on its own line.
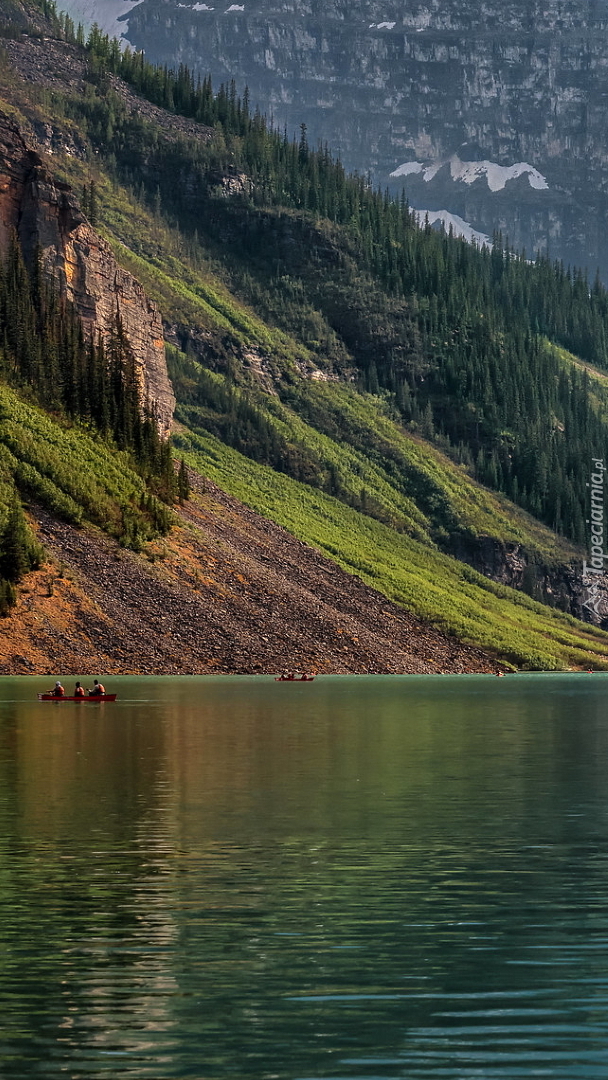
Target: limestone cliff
column 46, row 217
column 519, row 87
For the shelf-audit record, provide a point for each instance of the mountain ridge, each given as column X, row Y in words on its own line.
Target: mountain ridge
column 384, row 84
column 279, row 393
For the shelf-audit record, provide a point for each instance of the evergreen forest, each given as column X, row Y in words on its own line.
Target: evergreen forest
column 465, row 342
column 448, row 394
column 45, row 355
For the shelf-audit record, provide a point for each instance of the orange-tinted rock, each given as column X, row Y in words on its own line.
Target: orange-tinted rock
column 46, row 216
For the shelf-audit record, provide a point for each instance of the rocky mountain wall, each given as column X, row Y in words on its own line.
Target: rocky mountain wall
column 406, row 82
column 46, row 218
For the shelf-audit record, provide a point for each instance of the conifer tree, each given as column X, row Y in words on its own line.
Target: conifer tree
column 15, row 558
column 183, row 482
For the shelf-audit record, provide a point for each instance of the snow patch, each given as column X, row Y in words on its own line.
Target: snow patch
column 497, row 176
column 196, row 7
column 460, row 227
column 235, row 7
column 431, row 172
column 382, row 26
column 408, row 168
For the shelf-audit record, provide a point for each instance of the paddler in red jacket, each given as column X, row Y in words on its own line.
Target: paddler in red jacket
column 98, row 689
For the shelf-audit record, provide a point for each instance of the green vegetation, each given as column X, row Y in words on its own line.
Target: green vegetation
column 190, row 294
column 455, row 336
column 449, row 594
column 74, row 474
column 357, row 378
column 19, row 551
column 44, row 353
column 348, row 444
column 344, row 440
column 44, row 356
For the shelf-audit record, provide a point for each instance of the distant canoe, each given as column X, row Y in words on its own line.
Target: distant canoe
column 298, row 678
column 87, row 697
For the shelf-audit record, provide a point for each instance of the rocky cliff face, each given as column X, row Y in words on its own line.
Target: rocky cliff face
column 46, row 217
column 510, row 564
column 520, row 86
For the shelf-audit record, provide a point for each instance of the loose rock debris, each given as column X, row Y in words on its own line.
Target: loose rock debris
column 227, row 592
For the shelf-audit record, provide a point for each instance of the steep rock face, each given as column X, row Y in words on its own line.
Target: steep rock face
column 392, row 83
column 46, row 217
column 510, row 564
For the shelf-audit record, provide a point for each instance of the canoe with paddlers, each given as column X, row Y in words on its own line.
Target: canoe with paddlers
column 294, row 678
column 86, row 697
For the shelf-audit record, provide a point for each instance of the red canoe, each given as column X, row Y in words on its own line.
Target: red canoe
column 88, row 697
column 300, row 678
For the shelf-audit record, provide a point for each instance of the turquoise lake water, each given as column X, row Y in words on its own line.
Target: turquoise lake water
column 360, row 878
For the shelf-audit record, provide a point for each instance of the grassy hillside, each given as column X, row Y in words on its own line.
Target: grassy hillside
column 437, row 588
column 455, row 336
column 354, row 438
column 347, row 374
column 78, row 478
column 344, row 439
column 73, row 473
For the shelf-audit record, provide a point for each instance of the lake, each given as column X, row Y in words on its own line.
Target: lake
column 360, row 878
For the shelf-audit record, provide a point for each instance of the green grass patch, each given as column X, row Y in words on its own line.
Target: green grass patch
column 70, row 471
column 351, row 446
column 435, row 587
column 452, row 499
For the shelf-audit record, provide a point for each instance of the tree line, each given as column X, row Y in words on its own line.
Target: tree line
column 461, row 338
column 46, row 355
column 45, row 352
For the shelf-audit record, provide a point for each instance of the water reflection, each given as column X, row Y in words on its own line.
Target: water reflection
column 351, row 878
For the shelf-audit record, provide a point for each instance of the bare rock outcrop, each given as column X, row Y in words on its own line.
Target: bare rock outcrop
column 47, row 218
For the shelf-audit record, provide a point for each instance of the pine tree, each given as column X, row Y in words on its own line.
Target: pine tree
column 183, row 482
column 14, row 544
column 8, row 596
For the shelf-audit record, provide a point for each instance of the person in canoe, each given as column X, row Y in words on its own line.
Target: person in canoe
column 98, row 689
column 293, row 676
column 57, row 690
column 78, row 690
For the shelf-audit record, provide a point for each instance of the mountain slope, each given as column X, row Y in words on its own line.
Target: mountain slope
column 437, row 588
column 394, row 86
column 227, row 592
column 331, row 382
column 230, row 592
column 455, row 337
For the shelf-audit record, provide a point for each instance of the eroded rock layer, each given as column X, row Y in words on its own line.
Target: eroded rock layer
column 46, row 218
